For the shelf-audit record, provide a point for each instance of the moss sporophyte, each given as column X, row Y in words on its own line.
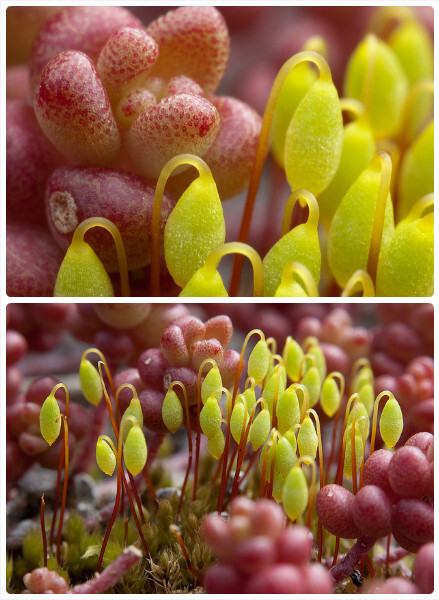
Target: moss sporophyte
column 357, row 157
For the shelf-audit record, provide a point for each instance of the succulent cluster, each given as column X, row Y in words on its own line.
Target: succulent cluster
column 257, row 554
column 121, row 110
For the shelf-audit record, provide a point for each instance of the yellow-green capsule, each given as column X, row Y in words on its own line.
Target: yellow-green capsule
column 406, row 264
column 194, row 228
column 301, row 244
column 295, row 493
column 215, row 444
column 297, row 83
column 134, row 409
column 293, row 355
column 359, row 449
column 416, row 176
column 290, row 435
column 391, row 423
column 375, row 77
column 82, row 273
column 210, row 417
column 260, row 428
column 105, row 457
column 307, row 439
column 211, row 385
column 315, row 350
column 357, row 152
column 284, row 459
column 287, row 410
column 413, row 46
column 90, row 382
column 258, row 361
column 270, row 388
column 313, row 383
column 351, row 228
column 204, row 282
column 314, row 138
column 330, row 397
column 363, row 425
column 250, row 398
column 134, row 450
column 50, row 419
column 238, row 420
column 172, row 411
column 367, row 397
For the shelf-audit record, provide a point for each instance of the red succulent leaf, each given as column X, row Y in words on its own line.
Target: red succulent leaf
column 194, row 41
column 84, row 28
column 178, row 124
column 127, row 57
column 206, row 349
column 73, row 110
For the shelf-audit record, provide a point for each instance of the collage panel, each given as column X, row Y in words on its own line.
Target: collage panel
column 186, row 152
column 219, row 448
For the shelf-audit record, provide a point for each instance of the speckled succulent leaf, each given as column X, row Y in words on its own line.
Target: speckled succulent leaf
column 330, row 397
column 126, row 58
column 73, row 110
column 301, row 244
column 180, row 84
column 270, row 388
column 314, row 139
column 295, row 493
column 194, row 41
column 105, row 457
column 74, row 194
column 172, row 411
column 203, row 349
column 313, row 383
column 296, row 85
column 357, row 151
column 391, row 422
column 406, row 267
column 359, row 449
column 260, row 428
column 293, row 355
column 363, row 424
column 204, row 283
column 351, row 227
column 307, row 440
column 179, row 124
column 211, row 383
column 210, row 417
column 134, row 409
column 413, row 46
column 194, row 228
column 50, row 419
column 90, row 382
column 231, row 155
column 82, row 273
column 135, row 450
column 238, row 420
column 215, row 444
column 258, row 361
column 375, row 77
column 173, row 346
column 287, row 410
column 83, row 28
column 133, row 105
column 416, row 176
